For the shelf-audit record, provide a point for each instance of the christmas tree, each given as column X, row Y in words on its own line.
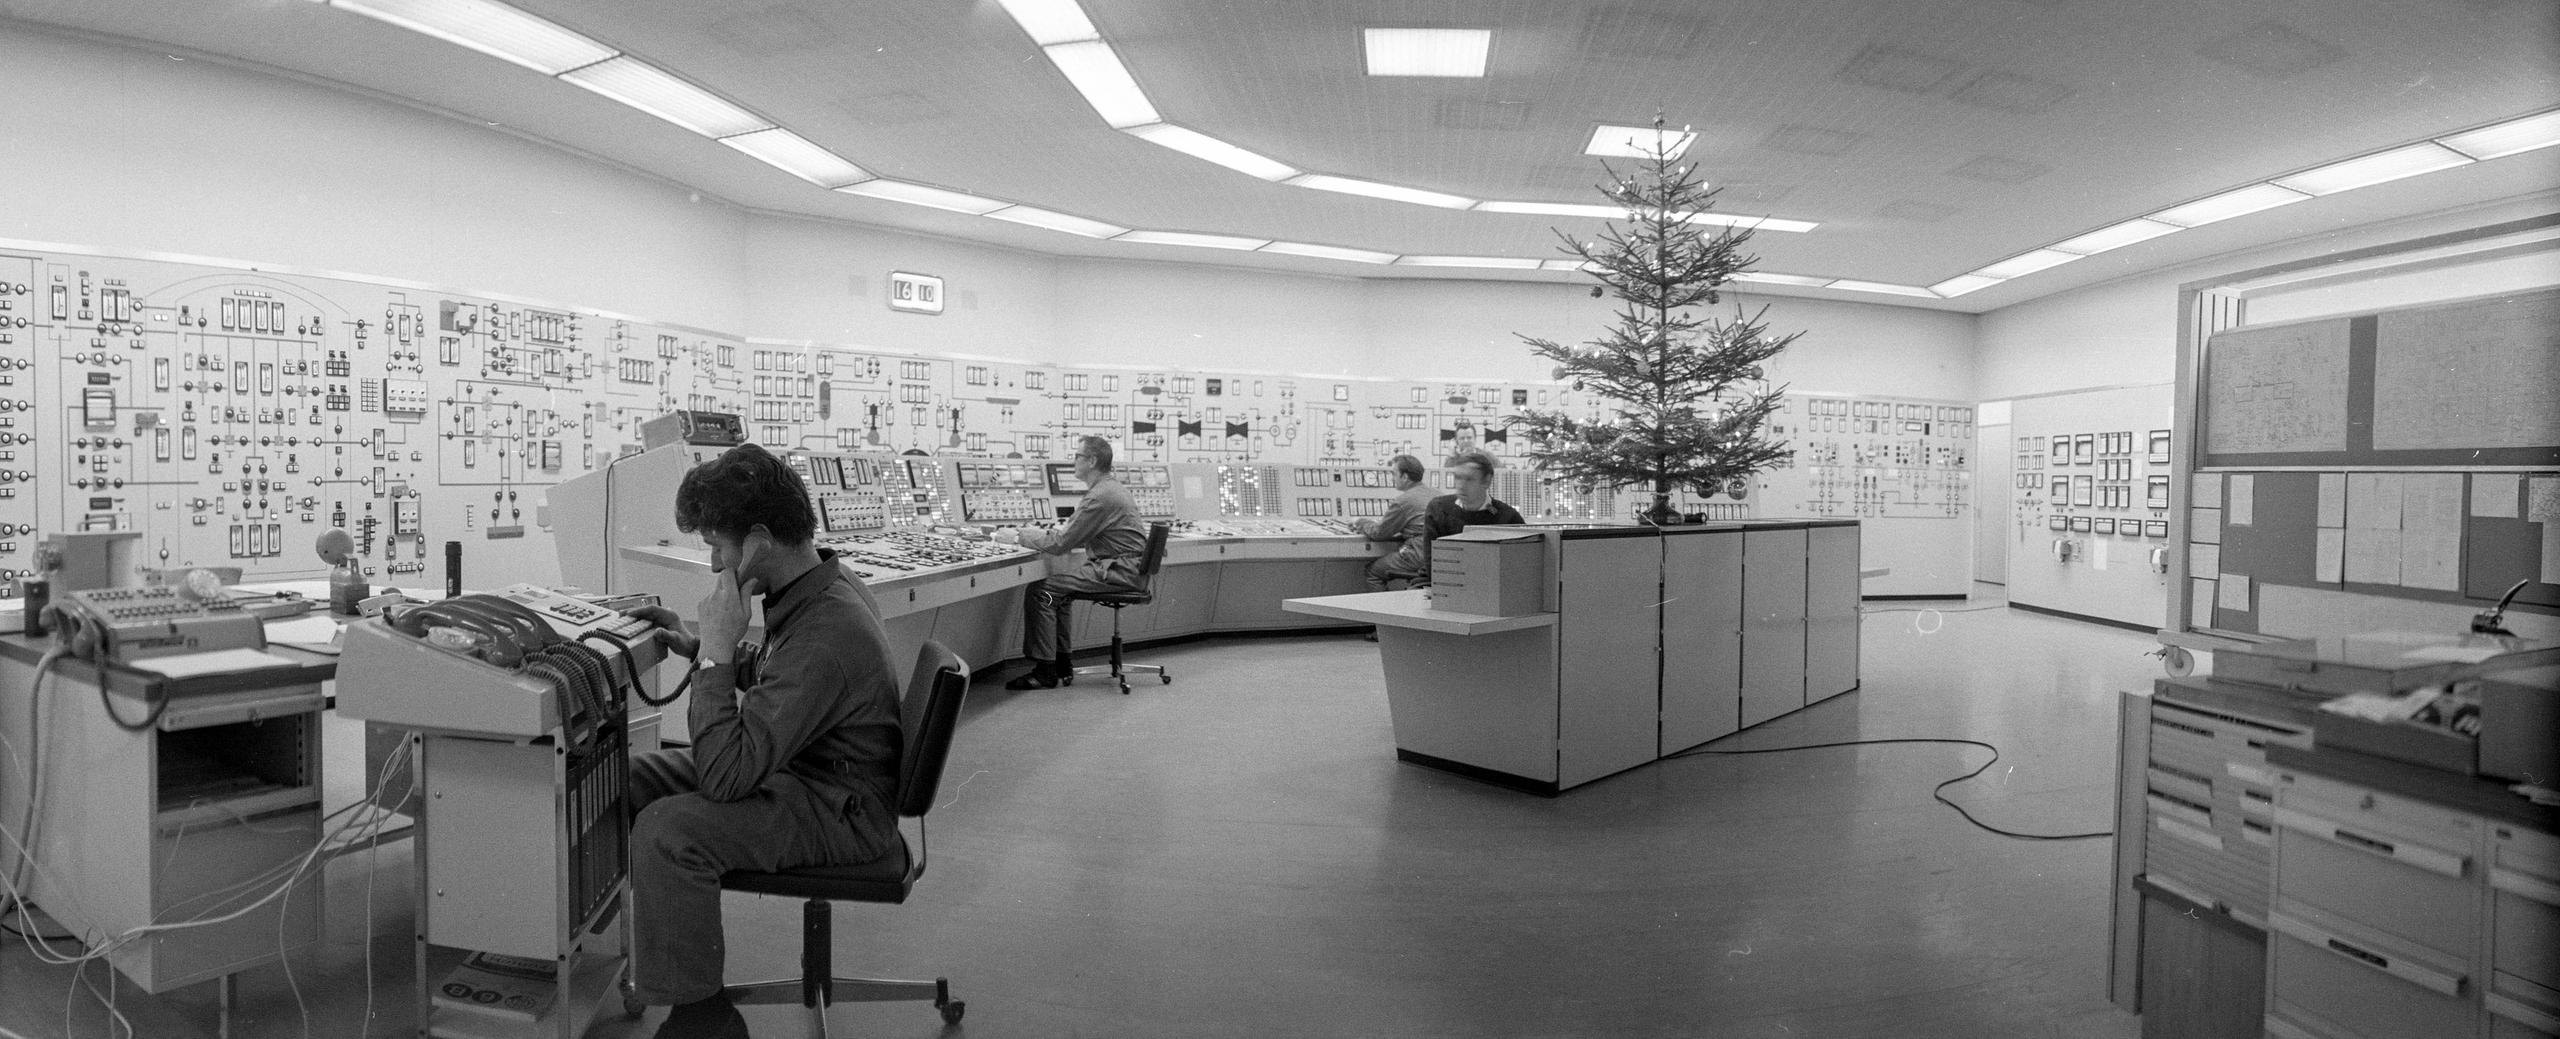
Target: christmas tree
column 1690, row 401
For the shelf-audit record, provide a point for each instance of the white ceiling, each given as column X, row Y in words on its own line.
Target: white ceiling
column 1928, row 137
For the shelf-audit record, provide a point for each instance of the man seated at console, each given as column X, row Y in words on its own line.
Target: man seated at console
column 797, row 768
column 1472, row 505
column 1402, row 523
column 1106, row 527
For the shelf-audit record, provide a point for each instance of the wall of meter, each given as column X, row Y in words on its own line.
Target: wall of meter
column 229, row 415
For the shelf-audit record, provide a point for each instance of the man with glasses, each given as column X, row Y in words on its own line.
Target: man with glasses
column 1473, row 505
column 1106, row 526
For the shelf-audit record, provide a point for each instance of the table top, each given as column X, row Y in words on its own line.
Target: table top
column 1410, row 608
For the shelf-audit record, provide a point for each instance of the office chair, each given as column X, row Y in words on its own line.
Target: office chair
column 927, row 718
column 1148, row 564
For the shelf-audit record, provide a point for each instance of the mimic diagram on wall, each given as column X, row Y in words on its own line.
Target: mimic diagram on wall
column 2089, row 503
column 2412, row 457
column 228, row 416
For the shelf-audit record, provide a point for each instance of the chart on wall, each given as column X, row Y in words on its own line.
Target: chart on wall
column 227, row 416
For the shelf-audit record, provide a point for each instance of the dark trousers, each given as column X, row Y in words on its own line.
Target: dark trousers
column 681, row 842
column 1046, row 628
column 1405, row 562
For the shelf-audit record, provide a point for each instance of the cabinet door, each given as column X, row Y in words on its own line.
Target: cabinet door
column 1608, row 703
column 1773, row 586
column 1831, row 612
column 2524, row 932
column 1701, row 637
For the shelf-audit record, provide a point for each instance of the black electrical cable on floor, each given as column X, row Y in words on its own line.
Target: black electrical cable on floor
column 1936, row 792
column 15, row 907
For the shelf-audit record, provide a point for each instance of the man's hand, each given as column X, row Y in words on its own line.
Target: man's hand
column 670, row 629
column 725, row 611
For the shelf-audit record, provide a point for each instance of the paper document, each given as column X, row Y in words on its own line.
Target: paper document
column 211, row 662
column 317, row 631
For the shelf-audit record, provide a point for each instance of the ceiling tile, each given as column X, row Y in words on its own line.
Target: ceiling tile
column 2001, row 170
column 2009, row 92
column 1894, row 68
column 2273, row 50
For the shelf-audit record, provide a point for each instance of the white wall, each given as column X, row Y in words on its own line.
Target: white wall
column 133, row 152
column 2126, row 331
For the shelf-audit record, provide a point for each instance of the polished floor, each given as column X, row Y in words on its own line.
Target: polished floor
column 1239, row 854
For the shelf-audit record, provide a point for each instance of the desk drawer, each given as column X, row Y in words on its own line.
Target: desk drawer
column 2524, row 927
column 2379, row 879
column 2328, row 983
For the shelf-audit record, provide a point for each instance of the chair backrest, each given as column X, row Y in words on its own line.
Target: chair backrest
column 1153, row 561
column 928, row 717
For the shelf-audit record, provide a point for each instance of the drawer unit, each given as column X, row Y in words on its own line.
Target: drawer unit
column 2405, row 869
column 2325, row 983
column 2523, row 995
column 2209, row 804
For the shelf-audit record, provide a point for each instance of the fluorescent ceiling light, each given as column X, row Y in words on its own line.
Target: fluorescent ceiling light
column 2027, row 263
column 2237, row 202
column 921, row 195
column 1756, row 223
column 2118, row 236
column 1374, row 189
column 1427, row 52
column 643, row 86
column 1051, row 21
column 1883, row 287
column 1636, row 142
column 1513, row 263
column 1056, row 221
column 1329, row 252
column 1964, row 283
column 2377, row 168
column 2507, row 138
column 1554, row 209
column 1782, row 279
column 1198, row 241
column 793, row 154
column 1096, row 71
column 494, row 29
column 1202, row 146
column 1578, row 266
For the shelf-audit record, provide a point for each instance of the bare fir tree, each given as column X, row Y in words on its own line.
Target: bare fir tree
column 1689, row 402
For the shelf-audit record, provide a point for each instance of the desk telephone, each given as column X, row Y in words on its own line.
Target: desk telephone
column 140, row 623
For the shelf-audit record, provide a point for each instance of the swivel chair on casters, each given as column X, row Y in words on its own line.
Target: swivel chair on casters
column 927, row 718
column 1148, row 564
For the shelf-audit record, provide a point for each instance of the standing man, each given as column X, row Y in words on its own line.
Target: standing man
column 1473, row 505
column 1106, row 526
column 1401, row 522
column 795, row 747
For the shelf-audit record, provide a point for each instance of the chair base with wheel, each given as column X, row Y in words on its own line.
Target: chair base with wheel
column 817, row 987
column 928, row 717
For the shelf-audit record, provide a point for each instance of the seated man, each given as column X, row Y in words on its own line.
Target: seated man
column 1473, row 505
column 1106, row 526
column 1401, row 522
column 798, row 769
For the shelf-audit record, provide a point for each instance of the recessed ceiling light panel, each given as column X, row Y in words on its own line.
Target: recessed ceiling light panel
column 2236, row 202
column 1202, row 146
column 494, row 29
column 1510, row 263
column 1329, row 252
column 2507, row 138
column 1964, row 283
column 1197, row 241
column 2027, row 263
column 795, row 155
column 650, row 89
column 1554, row 209
column 1056, row 221
column 2377, row 168
column 1637, row 142
column 927, row 196
column 2116, row 236
column 1782, row 279
column 1374, row 189
column 1886, row 288
column 1051, row 21
column 1427, row 52
column 1097, row 73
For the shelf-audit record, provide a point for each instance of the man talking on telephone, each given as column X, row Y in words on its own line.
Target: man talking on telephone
column 795, row 744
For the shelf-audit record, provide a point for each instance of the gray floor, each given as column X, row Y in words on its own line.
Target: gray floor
column 1239, row 854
